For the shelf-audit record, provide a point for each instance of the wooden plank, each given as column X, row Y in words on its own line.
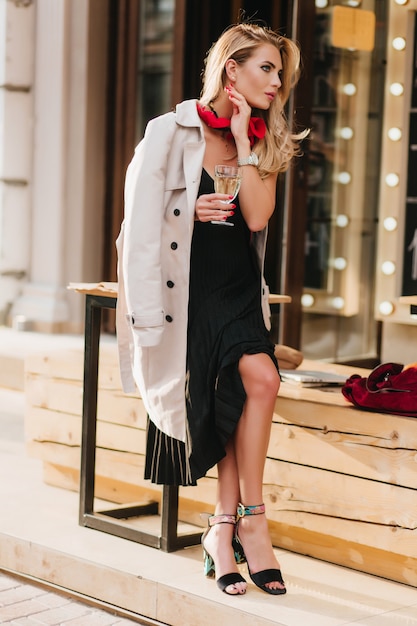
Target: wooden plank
column 408, row 300
column 126, row 466
column 110, row 290
column 112, row 404
column 65, row 364
column 122, row 468
column 110, row 490
column 352, row 554
column 45, row 425
column 331, row 448
column 387, row 538
column 107, row 289
column 189, row 509
column 69, row 365
column 391, row 431
column 48, row 393
column 306, row 489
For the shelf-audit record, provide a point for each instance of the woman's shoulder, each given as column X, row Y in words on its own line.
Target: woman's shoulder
column 164, row 128
column 184, row 114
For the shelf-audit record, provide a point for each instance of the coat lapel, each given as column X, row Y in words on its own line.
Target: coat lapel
column 193, row 160
column 187, row 116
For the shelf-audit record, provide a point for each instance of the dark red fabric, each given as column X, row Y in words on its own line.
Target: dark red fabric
column 390, row 388
column 256, row 129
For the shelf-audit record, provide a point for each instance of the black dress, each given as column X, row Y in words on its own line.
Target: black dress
column 225, row 321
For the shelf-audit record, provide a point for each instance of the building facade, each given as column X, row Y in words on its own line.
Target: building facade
column 78, row 82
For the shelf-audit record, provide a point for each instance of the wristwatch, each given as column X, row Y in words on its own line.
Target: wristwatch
column 252, row 159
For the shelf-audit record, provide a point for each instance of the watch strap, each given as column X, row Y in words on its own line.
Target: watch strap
column 252, row 159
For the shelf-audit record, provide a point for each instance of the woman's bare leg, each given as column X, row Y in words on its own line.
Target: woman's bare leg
column 261, row 381
column 218, row 542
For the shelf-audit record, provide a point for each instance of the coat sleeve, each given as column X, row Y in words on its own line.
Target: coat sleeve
column 144, row 212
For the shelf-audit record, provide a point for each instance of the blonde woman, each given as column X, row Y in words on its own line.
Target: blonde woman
column 193, row 313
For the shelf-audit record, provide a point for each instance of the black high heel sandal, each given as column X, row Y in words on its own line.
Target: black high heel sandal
column 262, row 578
column 209, row 566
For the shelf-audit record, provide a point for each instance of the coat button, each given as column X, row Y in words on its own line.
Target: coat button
column 170, row 284
column 174, row 245
column 177, row 212
column 168, row 318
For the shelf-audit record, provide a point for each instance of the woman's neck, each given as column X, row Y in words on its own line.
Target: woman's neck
column 222, row 106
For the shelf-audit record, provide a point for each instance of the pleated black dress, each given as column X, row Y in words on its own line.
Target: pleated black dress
column 225, row 321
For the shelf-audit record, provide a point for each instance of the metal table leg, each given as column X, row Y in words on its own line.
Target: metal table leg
column 111, row 521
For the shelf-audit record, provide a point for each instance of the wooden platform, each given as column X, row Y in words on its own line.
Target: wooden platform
column 339, row 483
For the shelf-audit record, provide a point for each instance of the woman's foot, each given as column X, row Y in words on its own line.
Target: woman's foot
column 219, row 555
column 253, row 534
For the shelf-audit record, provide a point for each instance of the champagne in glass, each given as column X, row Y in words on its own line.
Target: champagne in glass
column 227, row 179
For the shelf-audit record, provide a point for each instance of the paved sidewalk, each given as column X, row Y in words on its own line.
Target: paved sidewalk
column 23, row 603
column 27, row 603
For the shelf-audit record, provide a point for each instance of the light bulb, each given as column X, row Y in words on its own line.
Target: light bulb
column 307, row 300
column 392, row 179
column 401, row 2
column 346, row 132
column 349, row 89
column 339, row 263
column 388, row 268
column 398, row 43
column 344, row 178
column 390, row 224
column 342, row 220
column 396, row 89
column 386, row 308
column 395, row 133
column 322, row 4
column 338, row 303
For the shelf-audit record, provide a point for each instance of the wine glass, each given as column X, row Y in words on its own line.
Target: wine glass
column 227, row 179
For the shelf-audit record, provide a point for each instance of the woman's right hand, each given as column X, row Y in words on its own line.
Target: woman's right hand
column 211, row 206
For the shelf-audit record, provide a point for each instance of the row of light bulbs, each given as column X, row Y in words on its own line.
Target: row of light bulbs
column 392, row 179
column 388, row 268
column 322, row 4
column 344, row 178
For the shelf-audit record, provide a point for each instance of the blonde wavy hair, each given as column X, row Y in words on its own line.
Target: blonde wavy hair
column 239, row 42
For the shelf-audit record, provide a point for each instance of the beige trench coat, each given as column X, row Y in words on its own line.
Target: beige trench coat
column 153, row 246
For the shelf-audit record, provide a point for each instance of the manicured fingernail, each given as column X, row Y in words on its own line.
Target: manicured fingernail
column 230, row 197
column 231, row 213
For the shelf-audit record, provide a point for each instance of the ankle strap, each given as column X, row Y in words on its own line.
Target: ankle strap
column 243, row 510
column 221, row 519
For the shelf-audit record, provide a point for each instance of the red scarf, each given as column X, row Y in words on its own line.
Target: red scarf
column 256, row 128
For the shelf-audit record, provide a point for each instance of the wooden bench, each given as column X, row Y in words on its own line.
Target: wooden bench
column 339, row 485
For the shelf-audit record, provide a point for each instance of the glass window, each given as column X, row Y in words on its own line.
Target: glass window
column 156, row 36
column 343, row 183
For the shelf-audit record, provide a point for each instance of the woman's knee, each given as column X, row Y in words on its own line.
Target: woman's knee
column 271, row 381
column 259, row 375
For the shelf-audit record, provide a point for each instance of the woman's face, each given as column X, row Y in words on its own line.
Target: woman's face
column 258, row 79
